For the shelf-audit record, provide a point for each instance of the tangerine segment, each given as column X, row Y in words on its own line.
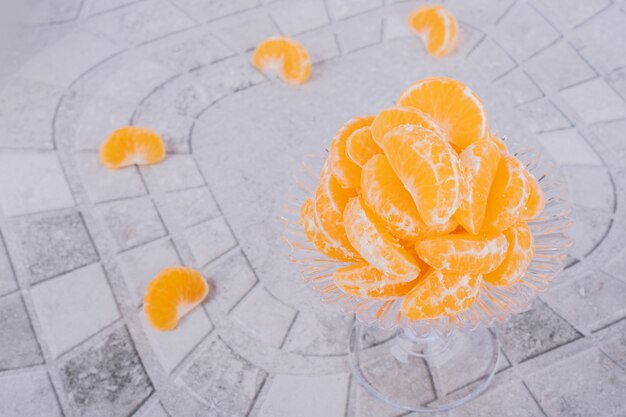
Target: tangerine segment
column 173, row 293
column 363, row 280
column 361, row 147
column 347, row 172
column 508, row 195
column 330, row 201
column 429, row 169
column 437, row 27
column 479, row 163
column 499, row 142
column 374, row 243
column 383, row 192
column 463, row 252
column 452, row 105
column 285, row 56
column 131, row 145
column 518, row 256
column 396, row 116
column 439, row 294
column 317, row 238
column 536, row 200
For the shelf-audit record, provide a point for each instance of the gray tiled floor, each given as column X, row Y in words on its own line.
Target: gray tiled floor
column 78, row 242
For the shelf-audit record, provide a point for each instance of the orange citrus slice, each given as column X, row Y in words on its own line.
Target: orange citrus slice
column 330, row 201
column 429, row 169
column 437, row 27
column 536, row 200
column 376, row 245
column 317, row 238
column 361, row 147
column 508, row 195
column 284, row 56
column 396, row 116
column 439, row 294
column 479, row 163
column 131, row 145
column 463, row 252
column 499, row 142
column 173, row 293
column 363, row 280
column 452, row 105
column 383, row 192
column 347, row 172
column 520, row 252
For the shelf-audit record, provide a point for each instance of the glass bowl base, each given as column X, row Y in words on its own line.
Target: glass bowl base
column 424, row 373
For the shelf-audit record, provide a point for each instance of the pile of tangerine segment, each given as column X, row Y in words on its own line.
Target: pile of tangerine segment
column 424, row 203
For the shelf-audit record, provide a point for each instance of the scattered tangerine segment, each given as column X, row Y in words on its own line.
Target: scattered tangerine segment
column 441, row 294
column 520, row 252
column 508, row 195
column 363, row 280
column 396, row 116
column 463, row 252
column 361, row 147
column 452, row 105
column 330, row 201
column 428, row 168
column 131, row 145
column 536, row 200
column 479, row 163
column 383, row 192
column 285, row 56
column 173, row 293
column 317, row 238
column 347, row 172
column 437, row 27
column 376, row 245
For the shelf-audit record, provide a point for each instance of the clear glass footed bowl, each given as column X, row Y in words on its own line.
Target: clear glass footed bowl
column 494, row 304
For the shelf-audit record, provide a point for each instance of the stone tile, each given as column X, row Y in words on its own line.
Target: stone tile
column 244, row 32
column 103, row 184
column 479, row 13
column 92, row 7
column 492, row 59
column 209, row 240
column 359, row 33
column 212, row 10
column 32, row 183
column 291, row 395
column 577, row 12
column 191, row 207
column 524, row 32
column 568, row 147
column 590, row 186
column 617, row 266
column 469, row 38
column 7, row 274
column 23, row 125
column 224, row 379
column 560, row 66
column 57, row 302
column 613, row 343
column 320, row 332
column 231, row 278
column 175, row 130
column 322, row 45
column 595, row 101
column 298, row 16
column 97, row 118
column 588, row 384
column 17, row 339
column 609, row 136
column 593, row 35
column 141, row 264
column 500, row 400
column 54, row 243
column 342, row 9
column 140, row 22
column 589, row 302
column 543, row 116
column 535, row 332
column 17, row 392
column 175, row 172
column 617, row 80
column 132, row 222
column 590, row 227
column 518, row 88
column 394, row 25
column 156, row 410
column 362, row 404
column 54, row 12
column 172, row 347
column 108, row 379
column 63, row 61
